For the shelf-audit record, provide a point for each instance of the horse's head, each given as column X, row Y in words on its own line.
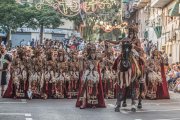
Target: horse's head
column 126, row 50
column 125, row 61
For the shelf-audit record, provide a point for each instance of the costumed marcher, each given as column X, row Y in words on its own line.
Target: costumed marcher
column 91, row 91
column 74, row 77
column 154, row 79
column 35, row 83
column 60, row 83
column 5, row 64
column 128, row 69
column 162, row 89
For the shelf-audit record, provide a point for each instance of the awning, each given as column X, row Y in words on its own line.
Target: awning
column 175, row 11
column 158, row 31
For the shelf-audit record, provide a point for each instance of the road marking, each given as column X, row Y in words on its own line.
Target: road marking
column 124, row 112
column 160, row 103
column 169, row 119
column 17, row 114
column 111, row 105
column 28, row 115
column 28, row 118
column 137, row 119
column 159, row 110
column 13, row 102
column 157, row 104
column 23, row 100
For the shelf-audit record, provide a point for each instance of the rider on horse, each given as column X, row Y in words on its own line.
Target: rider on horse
column 129, row 66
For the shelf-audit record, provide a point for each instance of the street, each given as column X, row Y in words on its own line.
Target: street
column 64, row 109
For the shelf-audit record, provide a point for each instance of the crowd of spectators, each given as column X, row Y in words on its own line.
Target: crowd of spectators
column 173, row 77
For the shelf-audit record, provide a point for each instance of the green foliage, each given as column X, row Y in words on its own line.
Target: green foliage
column 9, row 14
column 77, row 19
column 46, row 17
column 14, row 15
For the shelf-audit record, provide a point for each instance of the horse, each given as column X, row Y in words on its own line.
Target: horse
column 128, row 72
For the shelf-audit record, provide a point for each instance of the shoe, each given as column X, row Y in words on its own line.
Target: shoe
column 82, row 106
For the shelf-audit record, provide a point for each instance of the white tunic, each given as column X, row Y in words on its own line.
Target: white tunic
column 88, row 75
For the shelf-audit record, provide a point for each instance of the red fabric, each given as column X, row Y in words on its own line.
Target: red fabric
column 8, row 92
column 116, row 63
column 73, row 47
column 101, row 102
column 162, row 90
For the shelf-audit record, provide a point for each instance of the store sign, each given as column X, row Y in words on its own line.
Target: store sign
column 45, row 30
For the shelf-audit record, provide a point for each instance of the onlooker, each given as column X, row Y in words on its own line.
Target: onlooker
column 170, row 59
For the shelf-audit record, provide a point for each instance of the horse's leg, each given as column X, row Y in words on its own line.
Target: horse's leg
column 125, row 97
column 133, row 97
column 140, row 95
column 119, row 94
column 119, row 99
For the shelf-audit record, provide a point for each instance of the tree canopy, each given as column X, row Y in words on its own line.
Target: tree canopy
column 14, row 15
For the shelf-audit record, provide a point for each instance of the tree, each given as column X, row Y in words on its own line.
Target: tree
column 11, row 16
column 14, row 15
column 46, row 17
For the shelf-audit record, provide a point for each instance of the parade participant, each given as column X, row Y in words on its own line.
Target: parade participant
column 109, row 61
column 16, row 76
column 67, row 77
column 162, row 89
column 91, row 91
column 35, row 83
column 23, row 80
column 128, row 68
column 61, row 55
column 60, row 83
column 154, row 79
column 5, row 64
column 47, row 77
column 74, row 77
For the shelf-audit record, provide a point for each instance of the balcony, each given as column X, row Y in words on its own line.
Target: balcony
column 142, row 3
column 159, row 3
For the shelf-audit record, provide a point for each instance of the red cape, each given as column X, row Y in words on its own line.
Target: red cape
column 101, row 102
column 162, row 90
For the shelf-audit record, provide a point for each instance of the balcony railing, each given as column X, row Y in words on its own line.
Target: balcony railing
column 159, row 3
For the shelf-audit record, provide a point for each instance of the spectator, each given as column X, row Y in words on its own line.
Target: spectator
column 170, row 59
column 174, row 74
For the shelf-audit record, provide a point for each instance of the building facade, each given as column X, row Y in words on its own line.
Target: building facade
column 24, row 35
column 159, row 22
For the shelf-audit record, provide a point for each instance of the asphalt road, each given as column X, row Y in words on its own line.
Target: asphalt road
column 64, row 109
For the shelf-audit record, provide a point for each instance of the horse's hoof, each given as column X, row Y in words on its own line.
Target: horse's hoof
column 117, row 109
column 94, row 107
column 124, row 104
column 133, row 109
column 139, row 106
